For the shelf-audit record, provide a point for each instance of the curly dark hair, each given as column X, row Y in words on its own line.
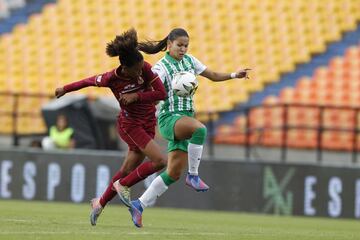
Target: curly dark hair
column 126, row 47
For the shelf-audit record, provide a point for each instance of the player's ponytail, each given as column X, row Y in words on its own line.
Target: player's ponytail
column 153, row 47
column 126, row 47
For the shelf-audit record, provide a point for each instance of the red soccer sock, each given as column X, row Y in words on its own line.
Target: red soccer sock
column 109, row 192
column 140, row 173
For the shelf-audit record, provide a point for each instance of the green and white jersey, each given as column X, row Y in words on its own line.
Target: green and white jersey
column 166, row 68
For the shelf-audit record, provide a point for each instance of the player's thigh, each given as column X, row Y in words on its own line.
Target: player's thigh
column 177, row 161
column 137, row 137
column 153, row 152
column 128, row 140
column 185, row 127
column 132, row 160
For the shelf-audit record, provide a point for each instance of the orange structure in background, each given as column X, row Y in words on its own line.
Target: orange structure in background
column 336, row 85
column 66, row 42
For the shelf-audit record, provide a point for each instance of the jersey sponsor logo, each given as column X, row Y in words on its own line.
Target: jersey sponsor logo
column 131, row 88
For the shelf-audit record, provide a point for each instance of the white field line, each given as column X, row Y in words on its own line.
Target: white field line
column 108, row 233
column 17, row 220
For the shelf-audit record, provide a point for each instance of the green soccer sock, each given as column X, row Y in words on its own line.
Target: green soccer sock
column 156, row 189
column 195, row 149
column 166, row 178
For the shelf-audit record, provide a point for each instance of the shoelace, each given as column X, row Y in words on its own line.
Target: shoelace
column 196, row 179
column 126, row 192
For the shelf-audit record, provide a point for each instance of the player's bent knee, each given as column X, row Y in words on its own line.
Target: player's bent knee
column 199, row 136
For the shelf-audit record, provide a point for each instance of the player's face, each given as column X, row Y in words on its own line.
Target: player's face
column 178, row 47
column 135, row 71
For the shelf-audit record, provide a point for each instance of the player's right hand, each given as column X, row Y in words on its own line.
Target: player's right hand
column 59, row 92
column 243, row 73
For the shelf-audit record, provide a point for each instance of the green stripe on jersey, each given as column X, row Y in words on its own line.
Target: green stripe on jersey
column 174, row 103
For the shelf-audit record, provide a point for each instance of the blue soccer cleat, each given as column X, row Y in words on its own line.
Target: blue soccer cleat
column 196, row 183
column 136, row 212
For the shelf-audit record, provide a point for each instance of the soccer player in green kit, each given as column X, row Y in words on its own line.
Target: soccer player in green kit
column 185, row 134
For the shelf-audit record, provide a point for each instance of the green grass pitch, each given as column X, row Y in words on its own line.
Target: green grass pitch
column 50, row 220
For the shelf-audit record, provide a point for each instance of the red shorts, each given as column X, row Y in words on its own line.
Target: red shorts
column 137, row 135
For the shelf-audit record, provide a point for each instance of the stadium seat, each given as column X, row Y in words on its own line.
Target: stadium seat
column 70, row 35
column 335, row 87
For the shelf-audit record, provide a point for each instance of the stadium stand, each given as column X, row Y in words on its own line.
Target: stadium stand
column 336, row 85
column 66, row 41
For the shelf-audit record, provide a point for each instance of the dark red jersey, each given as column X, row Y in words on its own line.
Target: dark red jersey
column 148, row 87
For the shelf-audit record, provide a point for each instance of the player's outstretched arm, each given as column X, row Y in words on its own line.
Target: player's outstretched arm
column 97, row 80
column 218, row 77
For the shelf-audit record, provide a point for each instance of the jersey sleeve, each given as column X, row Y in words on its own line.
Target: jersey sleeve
column 101, row 80
column 160, row 71
column 199, row 66
column 157, row 94
column 152, row 79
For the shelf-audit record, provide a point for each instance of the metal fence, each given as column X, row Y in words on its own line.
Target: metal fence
column 15, row 113
column 286, row 125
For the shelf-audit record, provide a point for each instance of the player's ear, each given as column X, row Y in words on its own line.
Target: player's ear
column 169, row 43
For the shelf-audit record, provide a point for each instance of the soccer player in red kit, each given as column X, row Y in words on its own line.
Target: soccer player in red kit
column 137, row 89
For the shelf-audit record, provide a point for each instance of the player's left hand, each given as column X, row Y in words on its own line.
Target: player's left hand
column 243, row 73
column 129, row 98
